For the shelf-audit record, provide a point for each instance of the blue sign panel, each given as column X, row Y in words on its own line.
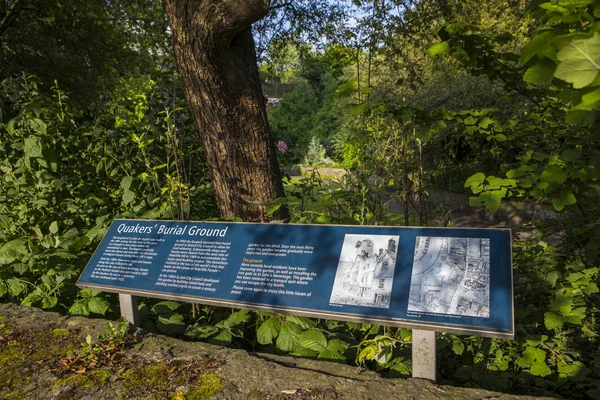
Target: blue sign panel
column 446, row 279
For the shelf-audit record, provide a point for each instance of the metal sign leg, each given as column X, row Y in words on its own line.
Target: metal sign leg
column 423, row 354
column 129, row 309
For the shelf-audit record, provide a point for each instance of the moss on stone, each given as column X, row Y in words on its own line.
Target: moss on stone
column 60, row 343
column 61, row 333
column 146, row 382
column 91, row 379
column 14, row 396
column 208, row 385
column 11, row 358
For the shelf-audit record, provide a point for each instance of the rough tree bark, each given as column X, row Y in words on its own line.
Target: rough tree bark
column 216, row 59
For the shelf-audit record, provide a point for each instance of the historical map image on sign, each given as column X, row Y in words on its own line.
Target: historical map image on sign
column 451, row 276
column 365, row 271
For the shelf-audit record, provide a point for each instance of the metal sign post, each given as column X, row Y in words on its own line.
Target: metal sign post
column 424, row 355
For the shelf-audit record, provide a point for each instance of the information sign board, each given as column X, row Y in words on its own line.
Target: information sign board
column 444, row 279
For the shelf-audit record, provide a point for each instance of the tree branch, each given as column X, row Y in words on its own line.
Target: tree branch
column 5, row 23
column 218, row 21
column 231, row 17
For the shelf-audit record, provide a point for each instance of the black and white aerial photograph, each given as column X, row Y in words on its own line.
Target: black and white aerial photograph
column 365, row 272
column 451, row 276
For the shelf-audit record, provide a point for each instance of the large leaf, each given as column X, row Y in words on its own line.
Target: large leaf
column 313, row 339
column 579, row 61
column 287, row 340
column 553, row 321
column 165, row 307
column 540, row 73
column 80, row 307
column 554, row 174
column 98, row 305
column 303, row 322
column 492, row 200
column 236, row 318
column 171, row 324
column 536, row 45
column 564, row 198
column 33, row 147
column 268, row 330
column 475, row 181
column 37, row 125
column 329, row 354
column 13, row 250
column 437, row 49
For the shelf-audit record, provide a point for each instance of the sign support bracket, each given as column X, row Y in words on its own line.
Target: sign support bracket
column 423, row 355
column 129, row 308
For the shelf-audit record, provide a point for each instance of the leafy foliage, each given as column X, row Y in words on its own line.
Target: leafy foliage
column 441, row 96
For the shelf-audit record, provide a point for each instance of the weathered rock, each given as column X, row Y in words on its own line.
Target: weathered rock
column 242, row 375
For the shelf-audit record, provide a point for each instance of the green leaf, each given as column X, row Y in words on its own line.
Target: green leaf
column 165, row 307
column 497, row 183
column 579, row 61
column 313, row 339
column 368, row 353
column 201, row 331
column 591, row 289
column 486, row 122
column 540, row 369
column 37, row 125
column 357, row 109
column 470, row 120
column 13, row 250
column 3, row 288
column 337, row 345
column 475, row 181
column 98, row 305
column 171, row 324
column 492, row 200
column 591, row 98
column 224, row 336
column 438, row 49
column 272, row 208
column 329, row 354
column 553, row 321
column 33, row 147
column 565, row 198
column 383, row 355
column 423, row 135
column 536, row 45
column 554, row 174
column 128, row 196
column 236, row 318
column 80, row 308
column 540, row 73
column 126, row 182
column 577, row 368
column 88, row 293
column 303, row 322
column 580, row 116
column 15, row 287
column 53, row 229
column 458, row 347
column 78, row 243
column 268, row 330
column 571, row 155
column 530, row 356
column 287, row 340
column 323, row 219
column 49, row 301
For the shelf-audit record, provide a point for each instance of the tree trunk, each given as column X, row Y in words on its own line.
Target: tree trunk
column 215, row 54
